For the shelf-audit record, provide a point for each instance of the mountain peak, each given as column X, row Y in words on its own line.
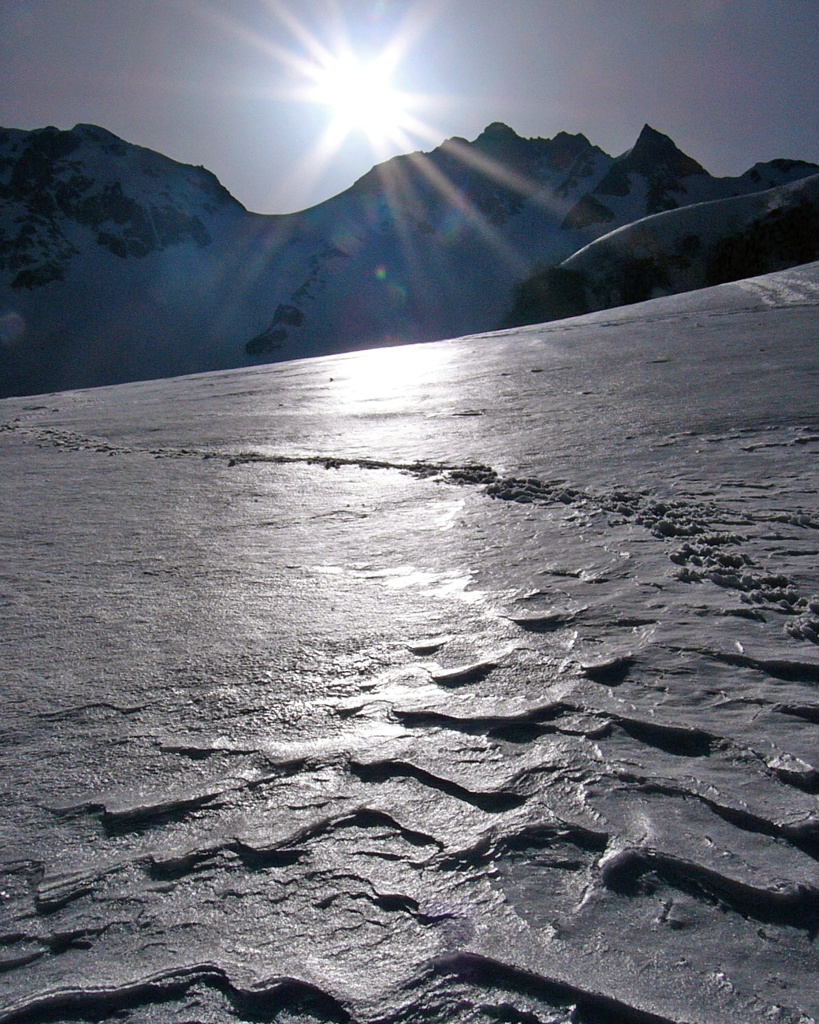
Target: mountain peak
column 653, row 149
column 93, row 131
column 656, row 158
column 650, row 136
column 498, row 136
column 498, row 129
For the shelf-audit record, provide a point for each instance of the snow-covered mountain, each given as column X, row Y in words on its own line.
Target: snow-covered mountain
column 118, row 264
column 679, row 250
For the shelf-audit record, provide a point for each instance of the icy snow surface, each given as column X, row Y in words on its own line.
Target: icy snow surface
column 473, row 681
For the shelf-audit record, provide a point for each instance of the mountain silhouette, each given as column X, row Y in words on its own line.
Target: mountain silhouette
column 117, row 263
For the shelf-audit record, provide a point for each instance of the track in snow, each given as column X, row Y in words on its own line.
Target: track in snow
column 473, row 681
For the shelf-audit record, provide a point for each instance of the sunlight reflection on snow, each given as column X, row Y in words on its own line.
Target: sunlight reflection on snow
column 400, row 577
column 387, row 375
column 442, row 516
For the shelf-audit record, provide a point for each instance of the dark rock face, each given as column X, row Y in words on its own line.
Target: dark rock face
column 664, row 167
column 556, row 292
column 276, row 334
column 726, row 240
column 48, row 188
column 589, row 210
column 785, row 237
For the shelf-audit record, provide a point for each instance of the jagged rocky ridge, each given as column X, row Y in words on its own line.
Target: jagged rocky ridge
column 680, row 250
column 119, row 264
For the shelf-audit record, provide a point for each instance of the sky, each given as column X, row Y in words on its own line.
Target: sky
column 251, row 88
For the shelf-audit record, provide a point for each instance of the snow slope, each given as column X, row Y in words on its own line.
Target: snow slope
column 467, row 681
column 698, row 246
column 119, row 264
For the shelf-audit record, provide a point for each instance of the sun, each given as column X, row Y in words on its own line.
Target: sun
column 356, row 90
column 360, row 96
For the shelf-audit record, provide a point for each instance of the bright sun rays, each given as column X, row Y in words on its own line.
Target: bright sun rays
column 355, row 87
column 358, row 89
column 361, row 97
column 350, row 86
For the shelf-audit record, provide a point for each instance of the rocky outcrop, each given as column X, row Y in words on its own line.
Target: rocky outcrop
column 681, row 250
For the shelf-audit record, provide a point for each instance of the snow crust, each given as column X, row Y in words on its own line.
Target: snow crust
column 468, row 681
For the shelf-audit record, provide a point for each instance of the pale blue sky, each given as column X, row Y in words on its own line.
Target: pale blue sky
column 203, row 81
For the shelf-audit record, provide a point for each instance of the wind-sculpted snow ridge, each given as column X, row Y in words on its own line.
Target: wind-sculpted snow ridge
column 695, row 246
column 467, row 682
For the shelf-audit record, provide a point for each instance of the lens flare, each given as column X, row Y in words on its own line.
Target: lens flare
column 354, row 86
column 361, row 96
